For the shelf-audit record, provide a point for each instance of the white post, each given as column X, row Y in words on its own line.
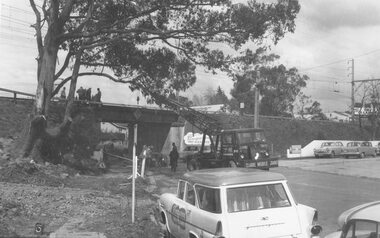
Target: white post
column 134, row 171
column 143, row 167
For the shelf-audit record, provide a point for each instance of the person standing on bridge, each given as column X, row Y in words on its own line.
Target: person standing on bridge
column 173, row 158
column 81, row 93
column 97, row 96
column 63, row 93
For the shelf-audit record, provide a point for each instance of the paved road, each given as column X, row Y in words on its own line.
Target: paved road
column 330, row 193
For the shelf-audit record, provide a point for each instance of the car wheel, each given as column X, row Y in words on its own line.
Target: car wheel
column 362, row 155
column 317, row 156
column 232, row 164
column 192, row 165
column 346, row 156
column 332, row 155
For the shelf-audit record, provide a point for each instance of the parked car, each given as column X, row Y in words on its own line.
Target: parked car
column 360, row 221
column 378, row 148
column 235, row 203
column 359, row 149
column 329, row 149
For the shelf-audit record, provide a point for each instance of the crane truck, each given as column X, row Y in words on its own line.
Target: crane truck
column 236, row 147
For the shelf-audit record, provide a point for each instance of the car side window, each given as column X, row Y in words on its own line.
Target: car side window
column 190, row 194
column 363, row 229
column 208, row 199
column 181, row 189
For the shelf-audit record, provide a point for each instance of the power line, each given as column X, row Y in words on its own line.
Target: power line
column 323, row 65
column 17, row 9
column 342, row 60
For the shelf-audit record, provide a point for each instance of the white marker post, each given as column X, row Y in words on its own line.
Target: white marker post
column 134, row 171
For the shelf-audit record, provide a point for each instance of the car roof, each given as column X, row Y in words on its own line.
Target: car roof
column 367, row 211
column 231, row 176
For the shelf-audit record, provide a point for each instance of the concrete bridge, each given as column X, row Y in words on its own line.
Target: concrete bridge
column 154, row 124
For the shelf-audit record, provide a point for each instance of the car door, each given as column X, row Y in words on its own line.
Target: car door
column 190, row 207
column 207, row 213
column 175, row 220
column 340, row 145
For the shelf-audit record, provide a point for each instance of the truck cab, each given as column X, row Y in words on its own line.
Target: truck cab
column 235, row 148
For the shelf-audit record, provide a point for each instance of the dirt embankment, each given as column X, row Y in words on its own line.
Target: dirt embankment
column 13, row 116
column 55, row 196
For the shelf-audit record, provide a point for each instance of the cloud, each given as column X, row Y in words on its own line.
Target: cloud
column 330, row 15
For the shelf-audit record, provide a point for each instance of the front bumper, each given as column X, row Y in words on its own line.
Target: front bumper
column 262, row 163
column 322, row 153
column 349, row 153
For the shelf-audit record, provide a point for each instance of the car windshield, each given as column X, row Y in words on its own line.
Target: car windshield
column 208, row 199
column 325, row 144
column 250, row 136
column 256, row 197
column 352, row 144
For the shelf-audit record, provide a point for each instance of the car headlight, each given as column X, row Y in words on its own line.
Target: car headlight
column 241, row 156
column 266, row 154
column 257, row 156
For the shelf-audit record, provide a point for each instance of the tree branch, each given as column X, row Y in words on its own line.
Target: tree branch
column 37, row 27
column 86, row 19
column 64, row 81
column 65, row 14
column 65, row 64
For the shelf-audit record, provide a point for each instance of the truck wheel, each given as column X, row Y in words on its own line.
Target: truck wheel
column 232, row 164
column 192, row 165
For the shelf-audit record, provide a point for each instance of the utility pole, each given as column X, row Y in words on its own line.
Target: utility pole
column 352, row 88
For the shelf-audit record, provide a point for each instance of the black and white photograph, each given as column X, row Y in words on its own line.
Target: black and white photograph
column 189, row 119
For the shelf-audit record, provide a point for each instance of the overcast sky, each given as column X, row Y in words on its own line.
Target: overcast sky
column 328, row 34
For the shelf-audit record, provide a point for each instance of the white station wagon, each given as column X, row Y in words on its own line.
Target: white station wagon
column 235, row 203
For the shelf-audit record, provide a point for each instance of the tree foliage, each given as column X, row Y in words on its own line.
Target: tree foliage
column 143, row 42
column 152, row 45
column 216, row 97
column 278, row 88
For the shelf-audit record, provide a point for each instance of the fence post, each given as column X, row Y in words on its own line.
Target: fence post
column 134, row 172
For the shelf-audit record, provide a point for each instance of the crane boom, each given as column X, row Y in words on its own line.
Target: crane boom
column 203, row 122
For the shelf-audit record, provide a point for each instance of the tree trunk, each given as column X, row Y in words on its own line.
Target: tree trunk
column 73, row 85
column 46, row 78
column 47, row 66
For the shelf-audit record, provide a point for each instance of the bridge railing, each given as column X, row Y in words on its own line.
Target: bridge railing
column 15, row 93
